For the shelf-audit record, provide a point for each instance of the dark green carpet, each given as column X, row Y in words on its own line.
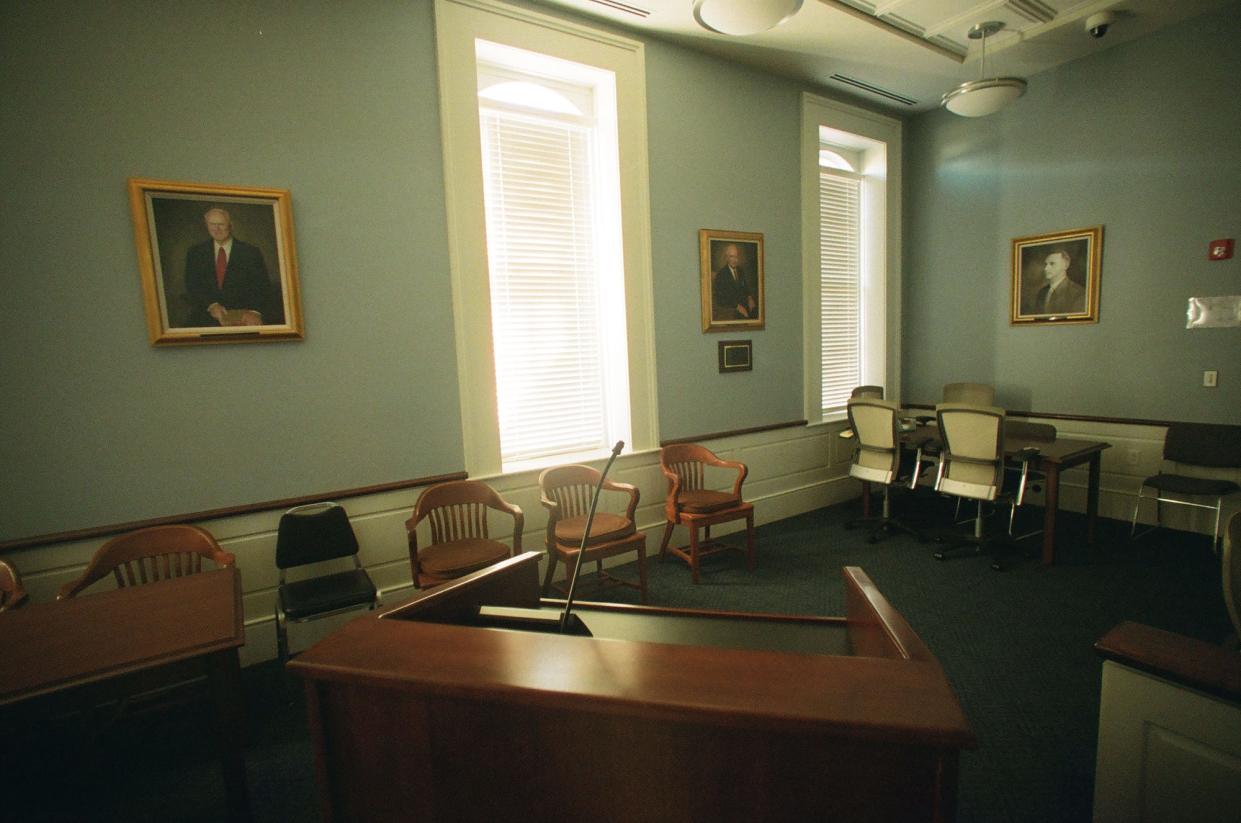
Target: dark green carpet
column 1017, row 646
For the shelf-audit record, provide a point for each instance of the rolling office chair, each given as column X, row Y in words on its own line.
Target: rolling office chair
column 971, row 466
column 311, row 534
column 872, row 392
column 877, row 459
column 1204, row 445
column 974, row 394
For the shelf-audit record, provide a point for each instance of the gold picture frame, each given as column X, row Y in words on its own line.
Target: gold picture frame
column 732, row 280
column 1056, row 277
column 250, row 295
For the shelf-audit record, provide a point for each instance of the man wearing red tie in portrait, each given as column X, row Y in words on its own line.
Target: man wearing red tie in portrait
column 226, row 279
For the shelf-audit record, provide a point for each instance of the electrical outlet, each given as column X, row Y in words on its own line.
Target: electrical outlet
column 1209, row 378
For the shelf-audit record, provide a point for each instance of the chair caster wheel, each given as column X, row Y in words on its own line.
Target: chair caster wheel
column 997, row 567
column 939, row 556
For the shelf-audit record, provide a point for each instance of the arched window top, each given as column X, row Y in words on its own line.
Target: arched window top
column 829, row 159
column 529, row 95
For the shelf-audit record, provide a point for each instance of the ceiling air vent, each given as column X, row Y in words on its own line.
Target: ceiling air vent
column 875, row 90
column 625, row 7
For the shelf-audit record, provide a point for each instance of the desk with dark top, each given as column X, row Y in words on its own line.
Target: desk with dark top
column 50, row 647
column 1054, row 456
column 665, row 714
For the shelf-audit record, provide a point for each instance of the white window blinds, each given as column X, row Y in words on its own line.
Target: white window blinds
column 840, row 269
column 545, row 304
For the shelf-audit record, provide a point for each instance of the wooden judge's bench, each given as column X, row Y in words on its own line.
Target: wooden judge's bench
column 420, row 713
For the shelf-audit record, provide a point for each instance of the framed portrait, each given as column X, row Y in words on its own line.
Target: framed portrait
column 736, row 355
column 1056, row 277
column 217, row 263
column 731, row 272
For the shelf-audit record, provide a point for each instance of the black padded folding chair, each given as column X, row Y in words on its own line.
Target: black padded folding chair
column 317, row 533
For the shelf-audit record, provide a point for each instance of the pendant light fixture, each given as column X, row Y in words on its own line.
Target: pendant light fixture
column 981, row 97
column 742, row 17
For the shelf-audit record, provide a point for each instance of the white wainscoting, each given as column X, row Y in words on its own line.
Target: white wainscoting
column 792, row 471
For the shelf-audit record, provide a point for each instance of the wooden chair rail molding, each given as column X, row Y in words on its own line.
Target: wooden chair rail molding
column 230, row 511
column 698, row 438
column 1087, row 418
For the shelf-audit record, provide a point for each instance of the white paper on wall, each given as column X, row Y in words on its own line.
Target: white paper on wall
column 1214, row 312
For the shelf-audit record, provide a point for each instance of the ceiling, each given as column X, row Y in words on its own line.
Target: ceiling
column 903, row 55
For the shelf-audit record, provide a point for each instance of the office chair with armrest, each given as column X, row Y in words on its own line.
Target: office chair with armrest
column 872, row 392
column 1034, row 435
column 311, row 534
column 974, row 394
column 12, row 595
column 1203, row 445
column 691, row 503
column 1232, row 577
column 146, row 557
column 150, row 555
column 460, row 534
column 878, row 459
column 971, row 466
column 566, row 492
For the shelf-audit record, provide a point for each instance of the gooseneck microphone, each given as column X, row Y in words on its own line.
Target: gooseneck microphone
column 581, row 551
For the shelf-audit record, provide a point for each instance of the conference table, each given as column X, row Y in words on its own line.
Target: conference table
column 1052, row 458
column 47, row 648
column 432, row 710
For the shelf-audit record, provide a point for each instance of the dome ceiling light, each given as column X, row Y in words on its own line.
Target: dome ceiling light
column 742, row 17
column 983, row 96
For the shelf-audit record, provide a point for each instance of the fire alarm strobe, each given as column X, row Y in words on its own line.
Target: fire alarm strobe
column 1220, row 249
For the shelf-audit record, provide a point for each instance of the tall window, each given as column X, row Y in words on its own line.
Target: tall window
column 840, row 209
column 552, row 214
column 851, row 174
column 549, row 246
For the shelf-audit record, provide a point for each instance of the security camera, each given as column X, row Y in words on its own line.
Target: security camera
column 1098, row 24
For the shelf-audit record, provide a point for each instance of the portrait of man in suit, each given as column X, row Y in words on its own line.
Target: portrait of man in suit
column 1056, row 277
column 226, row 279
column 732, row 277
column 218, row 263
column 734, row 292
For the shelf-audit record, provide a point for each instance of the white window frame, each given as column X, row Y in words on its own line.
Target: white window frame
column 878, row 140
column 458, row 24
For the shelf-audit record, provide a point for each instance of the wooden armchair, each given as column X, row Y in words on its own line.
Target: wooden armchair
column 566, row 492
column 12, row 595
column 692, row 504
column 460, row 538
column 150, row 555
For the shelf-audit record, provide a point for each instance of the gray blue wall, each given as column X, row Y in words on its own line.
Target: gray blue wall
column 336, row 102
column 1143, row 138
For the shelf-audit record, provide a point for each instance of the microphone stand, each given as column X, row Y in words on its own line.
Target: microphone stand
column 581, row 552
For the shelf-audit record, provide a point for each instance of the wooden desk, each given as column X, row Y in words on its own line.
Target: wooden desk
column 665, row 714
column 1054, row 457
column 49, row 647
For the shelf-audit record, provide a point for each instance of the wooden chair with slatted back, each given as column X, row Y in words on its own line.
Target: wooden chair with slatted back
column 12, row 595
column 460, row 535
column 566, row 492
column 150, row 555
column 693, row 504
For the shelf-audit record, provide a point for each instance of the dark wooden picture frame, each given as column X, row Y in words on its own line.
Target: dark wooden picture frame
column 1056, row 277
column 732, row 280
column 736, row 355
column 253, row 297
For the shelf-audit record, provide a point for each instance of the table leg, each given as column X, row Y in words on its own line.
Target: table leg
column 865, row 498
column 1092, row 496
column 224, row 677
column 1051, row 503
